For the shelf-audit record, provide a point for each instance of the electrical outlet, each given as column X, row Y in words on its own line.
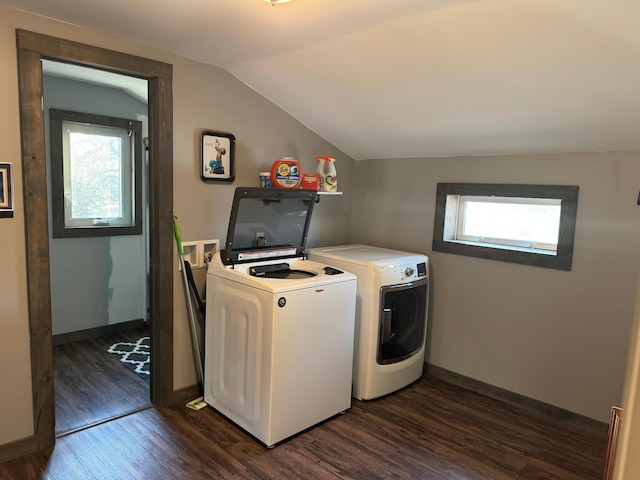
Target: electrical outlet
column 260, row 240
column 191, row 251
column 208, row 250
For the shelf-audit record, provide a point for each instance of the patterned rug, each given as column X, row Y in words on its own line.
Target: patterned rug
column 134, row 355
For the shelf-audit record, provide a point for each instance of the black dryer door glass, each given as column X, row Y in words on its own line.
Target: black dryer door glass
column 402, row 321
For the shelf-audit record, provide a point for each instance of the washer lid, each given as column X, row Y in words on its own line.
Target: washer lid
column 268, row 224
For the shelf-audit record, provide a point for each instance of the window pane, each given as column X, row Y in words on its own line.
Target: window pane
column 512, row 221
column 95, row 176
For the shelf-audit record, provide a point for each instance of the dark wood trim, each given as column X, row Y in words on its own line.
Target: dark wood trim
column 19, row 448
column 37, row 245
column 488, row 390
column 56, row 120
column 442, row 225
column 161, row 238
column 32, row 47
column 96, row 332
column 89, row 56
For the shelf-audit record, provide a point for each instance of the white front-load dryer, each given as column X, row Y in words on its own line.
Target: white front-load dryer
column 391, row 315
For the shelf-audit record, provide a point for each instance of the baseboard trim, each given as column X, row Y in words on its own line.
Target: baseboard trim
column 536, row 406
column 18, row 448
column 97, row 332
column 186, row 394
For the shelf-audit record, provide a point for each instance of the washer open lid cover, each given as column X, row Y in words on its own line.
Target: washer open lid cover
column 268, row 224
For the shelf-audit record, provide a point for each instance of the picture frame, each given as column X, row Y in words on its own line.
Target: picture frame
column 217, row 152
column 6, row 190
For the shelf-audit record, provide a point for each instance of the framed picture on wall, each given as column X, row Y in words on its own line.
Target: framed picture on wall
column 6, row 191
column 217, row 151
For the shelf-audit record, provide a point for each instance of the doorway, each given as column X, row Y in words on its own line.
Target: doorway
column 32, row 48
column 95, row 122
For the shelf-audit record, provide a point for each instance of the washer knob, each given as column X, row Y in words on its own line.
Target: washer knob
column 409, row 271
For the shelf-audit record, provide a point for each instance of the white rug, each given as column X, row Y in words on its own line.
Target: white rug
column 135, row 356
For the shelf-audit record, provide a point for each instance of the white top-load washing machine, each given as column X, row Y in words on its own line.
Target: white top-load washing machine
column 279, row 333
column 391, row 315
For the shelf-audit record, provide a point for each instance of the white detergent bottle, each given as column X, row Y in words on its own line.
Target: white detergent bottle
column 320, row 163
column 331, row 179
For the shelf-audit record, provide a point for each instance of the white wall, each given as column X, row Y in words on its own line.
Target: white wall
column 15, row 365
column 627, row 465
column 558, row 337
column 204, row 97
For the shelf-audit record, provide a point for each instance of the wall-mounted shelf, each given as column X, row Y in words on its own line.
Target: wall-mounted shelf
column 327, row 193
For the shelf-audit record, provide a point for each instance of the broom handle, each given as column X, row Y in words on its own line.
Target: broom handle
column 190, row 312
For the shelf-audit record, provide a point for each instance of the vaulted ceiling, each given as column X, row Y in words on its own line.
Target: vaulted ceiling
column 411, row 78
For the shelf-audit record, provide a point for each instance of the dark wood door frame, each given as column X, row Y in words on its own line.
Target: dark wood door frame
column 32, row 47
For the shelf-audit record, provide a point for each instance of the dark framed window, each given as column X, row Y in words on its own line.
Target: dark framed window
column 96, row 169
column 526, row 224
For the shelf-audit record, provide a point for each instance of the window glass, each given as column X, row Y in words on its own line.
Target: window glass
column 525, row 222
column 97, row 176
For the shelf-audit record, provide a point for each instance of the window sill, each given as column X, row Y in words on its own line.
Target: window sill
column 535, row 251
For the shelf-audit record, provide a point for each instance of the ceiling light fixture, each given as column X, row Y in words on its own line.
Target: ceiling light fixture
column 274, row 2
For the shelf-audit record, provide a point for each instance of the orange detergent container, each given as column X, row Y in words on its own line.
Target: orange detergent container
column 286, row 173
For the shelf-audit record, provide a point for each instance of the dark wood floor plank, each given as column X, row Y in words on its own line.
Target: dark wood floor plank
column 92, row 385
column 430, row 430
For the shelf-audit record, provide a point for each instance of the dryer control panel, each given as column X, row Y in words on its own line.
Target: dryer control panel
column 414, row 270
column 402, row 272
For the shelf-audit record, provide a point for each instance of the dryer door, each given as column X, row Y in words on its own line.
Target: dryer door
column 403, row 320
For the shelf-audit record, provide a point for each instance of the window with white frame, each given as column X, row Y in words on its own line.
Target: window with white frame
column 528, row 224
column 96, row 167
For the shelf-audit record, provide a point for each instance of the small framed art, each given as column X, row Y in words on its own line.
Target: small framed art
column 217, row 151
column 6, row 191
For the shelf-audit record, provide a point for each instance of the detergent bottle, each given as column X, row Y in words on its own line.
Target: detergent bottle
column 286, row 173
column 331, row 178
column 320, row 163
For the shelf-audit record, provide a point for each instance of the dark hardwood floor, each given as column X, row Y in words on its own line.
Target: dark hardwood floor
column 92, row 385
column 429, row 430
